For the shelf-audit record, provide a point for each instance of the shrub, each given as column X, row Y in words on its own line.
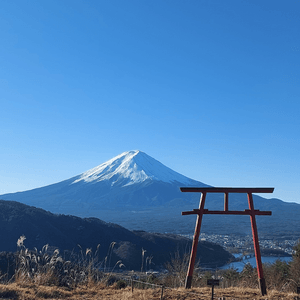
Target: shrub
column 111, row 280
column 121, row 284
column 177, row 270
column 295, row 267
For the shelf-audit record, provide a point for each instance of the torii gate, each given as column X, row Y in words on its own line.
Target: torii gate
column 251, row 212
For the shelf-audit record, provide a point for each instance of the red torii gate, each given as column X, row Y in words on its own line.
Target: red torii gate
column 251, row 212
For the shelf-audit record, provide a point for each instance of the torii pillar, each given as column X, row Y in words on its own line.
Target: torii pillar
column 251, row 212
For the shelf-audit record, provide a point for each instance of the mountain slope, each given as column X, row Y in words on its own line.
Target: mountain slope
column 138, row 192
column 131, row 180
column 67, row 232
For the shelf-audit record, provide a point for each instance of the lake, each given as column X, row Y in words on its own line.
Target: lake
column 239, row 265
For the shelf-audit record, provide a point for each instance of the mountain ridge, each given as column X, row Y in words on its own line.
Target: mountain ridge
column 67, row 232
column 138, row 192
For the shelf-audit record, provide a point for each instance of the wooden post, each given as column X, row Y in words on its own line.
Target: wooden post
column 261, row 280
column 189, row 276
column 162, row 293
column 225, row 201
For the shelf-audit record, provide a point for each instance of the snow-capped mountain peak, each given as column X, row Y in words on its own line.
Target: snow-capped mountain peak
column 132, row 167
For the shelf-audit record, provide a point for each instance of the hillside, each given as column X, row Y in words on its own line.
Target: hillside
column 67, row 232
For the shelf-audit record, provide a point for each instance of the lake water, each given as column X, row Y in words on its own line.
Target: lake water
column 239, row 265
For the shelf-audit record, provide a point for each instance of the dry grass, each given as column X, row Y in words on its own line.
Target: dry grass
column 100, row 291
column 42, row 275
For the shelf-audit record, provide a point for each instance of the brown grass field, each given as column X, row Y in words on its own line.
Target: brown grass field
column 40, row 275
column 100, row 291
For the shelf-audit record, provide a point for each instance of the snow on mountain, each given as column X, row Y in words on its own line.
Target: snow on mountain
column 131, row 180
column 132, row 167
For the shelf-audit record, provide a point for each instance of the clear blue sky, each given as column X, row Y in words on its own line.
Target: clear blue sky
column 209, row 88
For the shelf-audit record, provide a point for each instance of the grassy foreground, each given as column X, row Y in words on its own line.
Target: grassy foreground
column 100, row 291
column 46, row 275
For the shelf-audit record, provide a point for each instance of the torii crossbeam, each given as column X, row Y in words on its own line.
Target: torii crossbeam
column 251, row 212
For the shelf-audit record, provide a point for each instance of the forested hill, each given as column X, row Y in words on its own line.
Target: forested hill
column 67, row 232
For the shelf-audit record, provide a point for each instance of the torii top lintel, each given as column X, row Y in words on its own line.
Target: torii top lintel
column 226, row 190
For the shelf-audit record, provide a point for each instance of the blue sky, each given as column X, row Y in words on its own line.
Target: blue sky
column 209, row 88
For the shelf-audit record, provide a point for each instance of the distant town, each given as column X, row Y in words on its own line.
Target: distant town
column 244, row 244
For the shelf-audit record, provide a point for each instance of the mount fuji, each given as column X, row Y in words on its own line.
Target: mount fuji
column 131, row 180
column 138, row 192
